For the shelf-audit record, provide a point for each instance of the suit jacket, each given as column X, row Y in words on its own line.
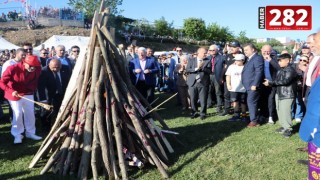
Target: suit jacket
column 47, row 87
column 310, row 126
column 253, row 72
column 130, row 57
column 150, row 78
column 204, row 72
column 218, row 67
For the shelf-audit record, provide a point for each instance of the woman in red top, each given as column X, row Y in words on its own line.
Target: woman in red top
column 22, row 80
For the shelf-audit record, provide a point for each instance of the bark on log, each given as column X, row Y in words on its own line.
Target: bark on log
column 87, row 141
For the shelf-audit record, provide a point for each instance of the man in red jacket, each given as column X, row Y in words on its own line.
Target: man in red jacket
column 22, row 80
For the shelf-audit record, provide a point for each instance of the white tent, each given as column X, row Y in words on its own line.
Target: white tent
column 4, row 44
column 67, row 41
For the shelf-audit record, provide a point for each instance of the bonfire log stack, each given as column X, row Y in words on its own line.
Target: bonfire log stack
column 104, row 126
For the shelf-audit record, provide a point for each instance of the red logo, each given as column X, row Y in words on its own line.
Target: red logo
column 285, row 17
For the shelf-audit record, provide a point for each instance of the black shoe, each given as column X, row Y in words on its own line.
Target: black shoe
column 303, row 162
column 202, row 117
column 223, row 113
column 279, row 130
column 194, row 115
column 287, row 133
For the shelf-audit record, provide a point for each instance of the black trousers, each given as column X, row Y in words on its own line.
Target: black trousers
column 147, row 91
column 227, row 101
column 47, row 117
column 308, row 88
column 266, row 101
column 198, row 91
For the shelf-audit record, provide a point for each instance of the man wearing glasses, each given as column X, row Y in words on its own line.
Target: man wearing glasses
column 43, row 57
column 60, row 55
column 28, row 48
column 75, row 51
column 18, row 80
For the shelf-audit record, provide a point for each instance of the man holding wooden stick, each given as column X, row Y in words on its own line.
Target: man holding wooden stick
column 21, row 80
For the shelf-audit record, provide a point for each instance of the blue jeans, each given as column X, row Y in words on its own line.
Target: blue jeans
column 300, row 108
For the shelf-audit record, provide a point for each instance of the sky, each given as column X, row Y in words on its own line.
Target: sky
column 235, row 14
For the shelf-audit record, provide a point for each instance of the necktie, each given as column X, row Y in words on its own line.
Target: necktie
column 58, row 83
column 212, row 63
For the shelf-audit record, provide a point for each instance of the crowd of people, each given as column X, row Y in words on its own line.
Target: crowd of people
column 61, row 13
column 26, row 77
column 10, row 16
column 237, row 79
column 271, row 86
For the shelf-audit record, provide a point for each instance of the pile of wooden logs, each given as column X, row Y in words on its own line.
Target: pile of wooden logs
column 104, row 126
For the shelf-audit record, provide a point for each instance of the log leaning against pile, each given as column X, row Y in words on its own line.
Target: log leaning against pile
column 103, row 125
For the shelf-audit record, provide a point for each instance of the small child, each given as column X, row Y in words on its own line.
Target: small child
column 285, row 83
column 237, row 90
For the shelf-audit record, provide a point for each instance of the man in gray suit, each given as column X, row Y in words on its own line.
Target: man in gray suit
column 198, row 80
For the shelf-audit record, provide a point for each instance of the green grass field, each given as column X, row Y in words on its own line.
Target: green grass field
column 213, row 149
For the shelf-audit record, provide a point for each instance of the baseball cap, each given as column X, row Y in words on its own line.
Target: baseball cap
column 284, row 56
column 234, row 44
column 32, row 60
column 239, row 57
column 305, row 46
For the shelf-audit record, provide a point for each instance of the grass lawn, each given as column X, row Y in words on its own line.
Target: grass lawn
column 213, row 149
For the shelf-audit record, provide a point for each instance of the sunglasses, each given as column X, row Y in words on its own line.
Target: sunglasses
column 304, row 60
column 29, row 49
column 45, row 53
column 179, row 50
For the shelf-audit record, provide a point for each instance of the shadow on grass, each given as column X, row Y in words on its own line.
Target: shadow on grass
column 170, row 110
column 13, row 175
column 196, row 138
column 202, row 136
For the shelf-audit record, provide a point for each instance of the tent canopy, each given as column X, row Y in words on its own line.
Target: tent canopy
column 4, row 44
column 67, row 41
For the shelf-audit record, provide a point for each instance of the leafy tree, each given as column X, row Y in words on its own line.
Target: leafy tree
column 143, row 26
column 275, row 44
column 243, row 39
column 218, row 33
column 89, row 6
column 194, row 28
column 162, row 27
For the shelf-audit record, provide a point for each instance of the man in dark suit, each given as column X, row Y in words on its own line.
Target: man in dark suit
column 252, row 76
column 267, row 97
column 144, row 69
column 216, row 77
column 198, row 80
column 53, row 83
